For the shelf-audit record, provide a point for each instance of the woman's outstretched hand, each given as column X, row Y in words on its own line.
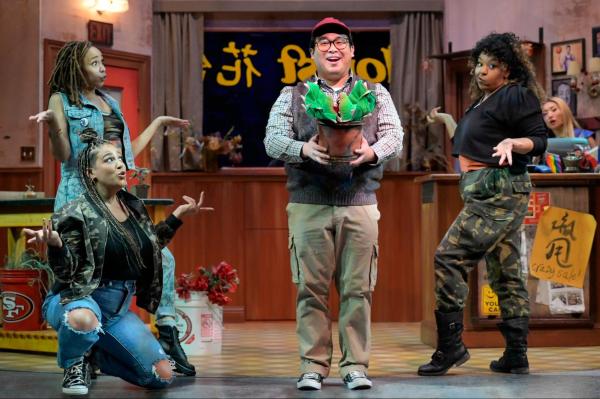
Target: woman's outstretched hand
column 504, row 150
column 47, row 116
column 44, row 236
column 191, row 207
column 169, row 121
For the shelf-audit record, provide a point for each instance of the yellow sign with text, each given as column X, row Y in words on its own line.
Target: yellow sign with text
column 489, row 302
column 562, row 245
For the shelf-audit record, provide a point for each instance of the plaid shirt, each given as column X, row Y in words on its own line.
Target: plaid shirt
column 280, row 142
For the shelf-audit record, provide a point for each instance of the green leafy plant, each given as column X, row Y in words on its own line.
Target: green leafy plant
column 140, row 174
column 351, row 107
column 29, row 259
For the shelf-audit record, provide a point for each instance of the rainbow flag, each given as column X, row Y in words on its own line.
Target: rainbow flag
column 554, row 163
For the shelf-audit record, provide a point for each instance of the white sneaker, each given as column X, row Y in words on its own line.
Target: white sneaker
column 309, row 381
column 357, row 380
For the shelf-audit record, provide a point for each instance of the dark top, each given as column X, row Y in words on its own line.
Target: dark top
column 118, row 265
column 511, row 112
column 113, row 129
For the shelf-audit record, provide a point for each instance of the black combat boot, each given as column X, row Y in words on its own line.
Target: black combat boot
column 169, row 340
column 514, row 360
column 450, row 349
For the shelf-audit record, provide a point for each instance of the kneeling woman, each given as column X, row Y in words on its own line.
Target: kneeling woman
column 104, row 249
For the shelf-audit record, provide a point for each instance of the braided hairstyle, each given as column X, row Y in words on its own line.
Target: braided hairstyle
column 68, row 75
column 506, row 48
column 86, row 162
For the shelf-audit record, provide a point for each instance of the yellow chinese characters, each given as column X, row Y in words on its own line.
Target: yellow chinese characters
column 236, row 68
column 562, row 246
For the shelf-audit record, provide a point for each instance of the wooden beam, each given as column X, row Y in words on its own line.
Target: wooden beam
column 297, row 6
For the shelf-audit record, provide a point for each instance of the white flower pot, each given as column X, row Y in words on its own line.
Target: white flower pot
column 200, row 325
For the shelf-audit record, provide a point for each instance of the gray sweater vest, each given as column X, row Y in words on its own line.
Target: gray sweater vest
column 338, row 184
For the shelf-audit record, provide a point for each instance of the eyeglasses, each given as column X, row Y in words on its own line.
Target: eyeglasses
column 339, row 43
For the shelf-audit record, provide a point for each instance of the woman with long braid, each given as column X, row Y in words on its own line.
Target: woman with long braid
column 76, row 104
column 103, row 250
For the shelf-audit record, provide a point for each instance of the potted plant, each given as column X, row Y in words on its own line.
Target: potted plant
column 340, row 123
column 215, row 282
column 139, row 188
column 213, row 145
column 202, row 295
column 24, row 283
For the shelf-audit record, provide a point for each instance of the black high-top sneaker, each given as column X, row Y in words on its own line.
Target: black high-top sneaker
column 76, row 379
column 169, row 340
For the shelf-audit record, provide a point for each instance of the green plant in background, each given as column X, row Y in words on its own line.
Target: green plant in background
column 351, row 107
column 29, row 259
column 140, row 174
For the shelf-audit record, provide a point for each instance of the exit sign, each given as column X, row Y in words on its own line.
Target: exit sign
column 100, row 33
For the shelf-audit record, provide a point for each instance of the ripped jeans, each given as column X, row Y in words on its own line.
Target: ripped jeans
column 125, row 347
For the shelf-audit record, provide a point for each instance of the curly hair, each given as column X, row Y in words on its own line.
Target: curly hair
column 506, row 48
column 68, row 75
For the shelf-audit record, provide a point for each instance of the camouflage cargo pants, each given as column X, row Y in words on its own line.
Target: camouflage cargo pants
column 495, row 203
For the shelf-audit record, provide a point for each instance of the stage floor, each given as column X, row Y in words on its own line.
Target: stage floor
column 259, row 359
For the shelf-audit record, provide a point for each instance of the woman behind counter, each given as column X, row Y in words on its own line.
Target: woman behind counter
column 560, row 120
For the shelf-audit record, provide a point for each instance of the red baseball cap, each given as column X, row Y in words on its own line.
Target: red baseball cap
column 330, row 25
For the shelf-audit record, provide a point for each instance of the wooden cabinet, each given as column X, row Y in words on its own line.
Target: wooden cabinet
column 249, row 230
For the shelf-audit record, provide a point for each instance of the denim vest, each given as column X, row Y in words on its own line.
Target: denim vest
column 79, row 119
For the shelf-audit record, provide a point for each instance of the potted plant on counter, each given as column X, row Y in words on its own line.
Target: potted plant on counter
column 139, row 187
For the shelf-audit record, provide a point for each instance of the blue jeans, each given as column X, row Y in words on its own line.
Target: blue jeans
column 165, row 314
column 125, row 347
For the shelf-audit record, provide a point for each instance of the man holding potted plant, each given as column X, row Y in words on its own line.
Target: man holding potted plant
column 332, row 212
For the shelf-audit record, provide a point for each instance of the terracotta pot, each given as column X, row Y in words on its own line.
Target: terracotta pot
column 340, row 140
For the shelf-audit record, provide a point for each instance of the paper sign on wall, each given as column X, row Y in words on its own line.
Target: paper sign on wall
column 489, row 301
column 562, row 246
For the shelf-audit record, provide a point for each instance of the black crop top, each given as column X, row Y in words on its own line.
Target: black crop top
column 512, row 112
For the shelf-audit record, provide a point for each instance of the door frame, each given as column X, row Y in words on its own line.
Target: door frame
column 114, row 58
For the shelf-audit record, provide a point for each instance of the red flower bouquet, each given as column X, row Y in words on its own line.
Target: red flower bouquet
column 216, row 282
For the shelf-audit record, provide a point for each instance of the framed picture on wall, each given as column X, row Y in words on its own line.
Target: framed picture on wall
column 562, row 88
column 563, row 53
column 596, row 41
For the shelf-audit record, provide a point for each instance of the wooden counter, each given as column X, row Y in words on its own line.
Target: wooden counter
column 249, row 229
column 441, row 203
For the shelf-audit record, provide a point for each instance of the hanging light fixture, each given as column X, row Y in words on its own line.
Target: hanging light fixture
column 107, row 5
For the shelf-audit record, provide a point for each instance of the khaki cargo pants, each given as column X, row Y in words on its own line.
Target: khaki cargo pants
column 333, row 243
